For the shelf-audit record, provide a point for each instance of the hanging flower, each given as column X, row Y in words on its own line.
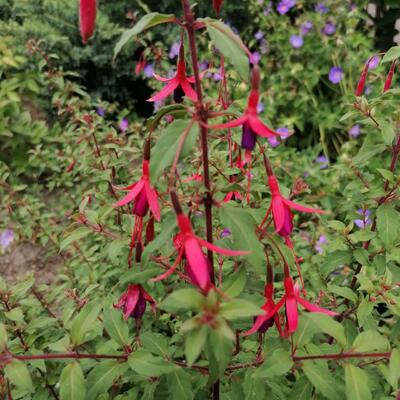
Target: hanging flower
column 180, row 84
column 251, row 123
column 189, row 246
column 134, row 300
column 281, row 209
column 87, row 18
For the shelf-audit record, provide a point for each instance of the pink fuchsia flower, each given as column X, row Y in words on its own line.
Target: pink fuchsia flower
column 180, row 84
column 190, row 246
column 134, row 300
column 250, row 121
column 281, row 209
column 296, row 41
column 354, row 131
column 335, row 75
column 389, row 78
column 267, row 320
column 291, row 300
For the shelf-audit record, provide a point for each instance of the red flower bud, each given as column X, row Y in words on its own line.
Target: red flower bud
column 361, row 82
column 217, row 4
column 70, row 167
column 388, row 82
column 87, row 18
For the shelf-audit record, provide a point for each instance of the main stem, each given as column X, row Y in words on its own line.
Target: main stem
column 202, row 115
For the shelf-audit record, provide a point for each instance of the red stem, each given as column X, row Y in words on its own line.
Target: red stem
column 341, row 356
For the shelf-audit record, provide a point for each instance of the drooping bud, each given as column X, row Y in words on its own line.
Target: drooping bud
column 217, row 4
column 70, row 166
column 141, row 205
column 87, row 18
column 147, row 150
column 363, row 77
column 255, row 77
column 138, row 252
column 389, row 78
column 175, row 203
column 248, row 137
column 150, row 230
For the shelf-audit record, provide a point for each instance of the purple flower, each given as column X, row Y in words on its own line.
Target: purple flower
column 283, row 132
column 101, row 111
column 329, row 29
column 318, row 246
column 148, row 70
column 374, row 62
column 259, row 35
column 255, row 57
column 217, row 76
column 335, row 75
column 225, row 233
column 321, row 8
column 362, row 223
column 354, row 131
column 284, row 6
column 367, row 90
column 273, row 141
column 203, row 65
column 174, row 50
column 306, row 27
column 124, row 125
column 296, row 41
column 6, row 237
column 260, row 107
column 322, row 161
column 268, row 9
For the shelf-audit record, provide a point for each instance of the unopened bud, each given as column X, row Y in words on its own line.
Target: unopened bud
column 147, row 150
column 175, row 203
column 255, row 77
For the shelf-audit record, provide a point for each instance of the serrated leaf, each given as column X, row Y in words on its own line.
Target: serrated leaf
column 321, row 379
column 116, row 327
column 194, row 343
column 168, row 143
column 357, row 387
column 370, row 340
column 183, row 299
column 242, row 226
column 102, row 376
column 146, row 22
column 76, row 235
column 329, row 326
column 72, row 383
column 144, row 363
column 229, row 44
column 239, row 309
column 276, row 364
column 18, row 374
column 392, row 54
column 83, row 322
column 387, row 222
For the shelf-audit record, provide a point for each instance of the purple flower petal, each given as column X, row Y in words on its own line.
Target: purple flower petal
column 6, row 238
column 296, row 41
column 335, row 75
column 354, row 131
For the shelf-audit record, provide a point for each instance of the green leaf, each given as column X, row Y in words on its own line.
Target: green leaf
column 180, row 385
column 242, row 226
column 115, row 249
column 194, row 343
column 102, row 376
column 146, row 22
column 322, row 380
column 83, row 322
column 302, row 390
column 370, row 340
column 18, row 374
column 356, row 383
column 135, row 276
column 76, row 235
column 394, row 368
column 116, row 327
column 183, row 299
column 229, row 44
column 368, row 151
column 144, row 363
column 3, row 337
column 72, row 383
column 276, row 364
column 238, row 309
column 335, row 260
column 329, row 326
column 392, row 54
column 235, row 283
column 388, row 131
column 387, row 223
column 345, row 292
column 222, row 350
column 168, row 143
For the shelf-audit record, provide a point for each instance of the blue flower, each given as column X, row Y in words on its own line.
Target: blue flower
column 174, row 50
column 259, row 35
column 321, row 8
column 101, row 111
column 354, row 131
column 335, row 75
column 6, row 238
column 322, row 161
column 362, row 223
column 329, row 29
column 284, row 6
column 148, row 70
column 306, row 27
column 124, row 125
column 296, row 41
